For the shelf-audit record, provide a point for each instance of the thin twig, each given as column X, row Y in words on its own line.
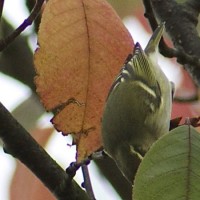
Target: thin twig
column 186, row 100
column 27, row 22
column 1, row 7
column 87, row 182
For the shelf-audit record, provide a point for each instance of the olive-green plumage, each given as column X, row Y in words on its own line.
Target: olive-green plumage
column 138, row 108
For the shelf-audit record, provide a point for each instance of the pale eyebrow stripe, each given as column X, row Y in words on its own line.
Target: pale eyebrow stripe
column 146, row 88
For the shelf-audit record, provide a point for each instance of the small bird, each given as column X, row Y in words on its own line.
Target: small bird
column 138, row 107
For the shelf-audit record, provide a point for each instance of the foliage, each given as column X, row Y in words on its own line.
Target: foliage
column 95, row 52
column 170, row 169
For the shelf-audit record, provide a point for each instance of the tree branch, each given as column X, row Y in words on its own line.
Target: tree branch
column 181, row 21
column 21, row 145
column 27, row 22
column 1, row 8
column 30, row 4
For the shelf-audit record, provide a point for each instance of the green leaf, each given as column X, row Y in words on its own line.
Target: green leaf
column 171, row 168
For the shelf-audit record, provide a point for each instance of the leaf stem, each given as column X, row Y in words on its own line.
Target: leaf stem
column 87, row 182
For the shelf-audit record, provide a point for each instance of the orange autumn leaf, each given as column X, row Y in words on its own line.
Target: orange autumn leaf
column 82, row 46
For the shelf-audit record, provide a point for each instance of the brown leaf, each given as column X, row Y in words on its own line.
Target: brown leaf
column 175, row 122
column 83, row 44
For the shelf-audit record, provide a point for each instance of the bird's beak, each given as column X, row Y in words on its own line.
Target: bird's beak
column 155, row 39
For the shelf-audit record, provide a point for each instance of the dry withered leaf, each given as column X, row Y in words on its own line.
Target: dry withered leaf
column 82, row 46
